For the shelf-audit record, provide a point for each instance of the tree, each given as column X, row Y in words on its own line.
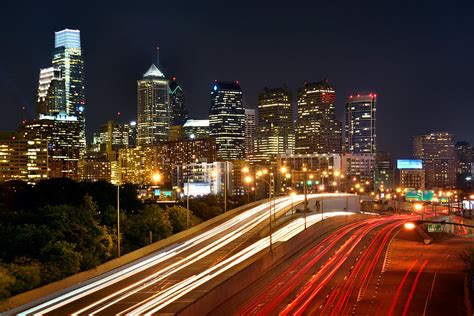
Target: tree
column 136, row 228
column 61, row 260
column 27, row 274
column 177, row 215
column 6, row 283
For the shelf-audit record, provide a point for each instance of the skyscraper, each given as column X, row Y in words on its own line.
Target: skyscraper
column 360, row 124
column 249, row 132
column 179, row 114
column 464, row 165
column 436, row 150
column 227, row 120
column 51, row 92
column 153, row 108
column 464, row 157
column 275, row 134
column 68, row 59
column 317, row 129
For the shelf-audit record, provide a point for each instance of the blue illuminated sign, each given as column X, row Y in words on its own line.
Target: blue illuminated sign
column 409, row 164
column 215, row 87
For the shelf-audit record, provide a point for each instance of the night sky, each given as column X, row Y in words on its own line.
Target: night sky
column 417, row 56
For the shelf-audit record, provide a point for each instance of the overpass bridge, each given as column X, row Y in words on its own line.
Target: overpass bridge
column 177, row 274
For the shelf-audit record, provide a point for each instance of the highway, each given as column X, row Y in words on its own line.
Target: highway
column 329, row 277
column 158, row 281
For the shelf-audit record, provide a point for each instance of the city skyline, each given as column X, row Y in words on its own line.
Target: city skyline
column 405, row 56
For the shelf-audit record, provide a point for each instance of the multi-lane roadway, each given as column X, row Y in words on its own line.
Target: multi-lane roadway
column 158, row 283
column 329, row 277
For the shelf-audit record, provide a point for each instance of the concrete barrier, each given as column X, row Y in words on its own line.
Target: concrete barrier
column 50, row 290
column 247, row 273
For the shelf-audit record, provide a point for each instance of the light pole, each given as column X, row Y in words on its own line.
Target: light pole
column 419, row 207
column 292, row 194
column 248, row 180
column 118, row 219
column 225, row 186
column 321, row 188
column 305, row 170
column 259, row 174
column 187, row 195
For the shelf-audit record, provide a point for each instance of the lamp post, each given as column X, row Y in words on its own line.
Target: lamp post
column 187, row 196
column 248, row 180
column 292, row 194
column 419, row 207
column 305, row 170
column 321, row 188
column 259, row 174
column 118, row 219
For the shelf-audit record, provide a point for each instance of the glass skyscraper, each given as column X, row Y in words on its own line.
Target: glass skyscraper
column 179, row 114
column 153, row 108
column 360, row 124
column 317, row 129
column 68, row 59
column 227, row 120
column 275, row 134
column 61, row 105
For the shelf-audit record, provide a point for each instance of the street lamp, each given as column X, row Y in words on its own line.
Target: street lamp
column 321, row 188
column 118, row 219
column 248, row 180
column 419, row 207
column 156, row 177
column 187, row 197
column 260, row 174
column 292, row 195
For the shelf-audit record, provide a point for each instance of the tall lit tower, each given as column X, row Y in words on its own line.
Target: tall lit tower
column 227, row 120
column 360, row 124
column 250, row 123
column 275, row 134
column 317, row 129
column 68, row 59
column 153, row 108
column 179, row 114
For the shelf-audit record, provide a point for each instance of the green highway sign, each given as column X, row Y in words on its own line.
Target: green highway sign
column 435, row 228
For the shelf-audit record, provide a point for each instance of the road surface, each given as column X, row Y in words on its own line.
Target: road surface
column 160, row 282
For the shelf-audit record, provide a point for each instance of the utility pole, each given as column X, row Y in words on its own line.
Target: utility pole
column 305, row 196
column 270, row 217
column 225, row 186
column 118, row 220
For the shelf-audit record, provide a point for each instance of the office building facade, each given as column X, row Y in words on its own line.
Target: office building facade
column 179, row 114
column 360, row 128
column 196, row 129
column 250, row 125
column 68, row 60
column 275, row 133
column 227, row 120
column 22, row 159
column 153, row 108
column 436, row 150
column 317, row 129
column 200, row 179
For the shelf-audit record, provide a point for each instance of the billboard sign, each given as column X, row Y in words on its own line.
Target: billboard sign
column 409, row 164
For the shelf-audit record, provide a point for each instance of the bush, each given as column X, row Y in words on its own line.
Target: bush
column 6, row 283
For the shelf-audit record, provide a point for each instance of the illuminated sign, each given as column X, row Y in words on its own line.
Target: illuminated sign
column 409, row 164
column 419, row 195
column 197, row 189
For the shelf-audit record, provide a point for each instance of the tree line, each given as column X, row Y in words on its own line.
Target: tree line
column 60, row 227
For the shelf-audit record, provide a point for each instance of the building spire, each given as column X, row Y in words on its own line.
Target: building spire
column 158, row 56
